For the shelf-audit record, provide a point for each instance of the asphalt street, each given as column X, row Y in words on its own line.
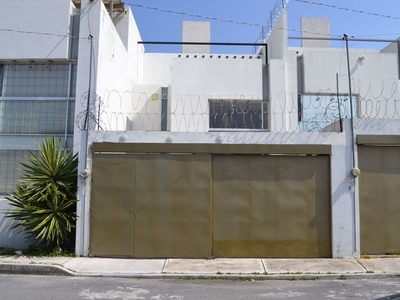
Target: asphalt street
column 17, row 287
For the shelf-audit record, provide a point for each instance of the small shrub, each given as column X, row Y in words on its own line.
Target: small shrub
column 44, row 201
column 34, row 250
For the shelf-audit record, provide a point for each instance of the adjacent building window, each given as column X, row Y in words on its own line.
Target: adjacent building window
column 228, row 114
column 36, row 99
column 36, row 80
column 36, row 116
column 10, row 168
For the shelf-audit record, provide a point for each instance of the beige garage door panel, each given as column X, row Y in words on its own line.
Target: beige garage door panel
column 151, row 205
column 271, row 206
column 379, row 199
column 111, row 216
column 172, row 207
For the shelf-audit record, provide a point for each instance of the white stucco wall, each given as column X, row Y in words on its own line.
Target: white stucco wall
column 158, row 68
column 117, row 62
column 146, row 111
column 315, row 28
column 282, row 79
column 277, row 40
column 129, row 34
column 374, row 78
column 282, row 93
column 195, row 31
column 39, row 29
column 369, row 69
column 117, row 71
column 116, row 66
column 196, row 79
column 9, row 238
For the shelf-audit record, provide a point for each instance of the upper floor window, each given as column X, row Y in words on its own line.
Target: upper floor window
column 229, row 114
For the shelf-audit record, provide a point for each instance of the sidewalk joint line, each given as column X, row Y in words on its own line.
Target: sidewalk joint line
column 265, row 268
column 366, row 270
column 67, row 261
column 165, row 264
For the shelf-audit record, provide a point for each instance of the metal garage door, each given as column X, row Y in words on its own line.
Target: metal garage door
column 271, row 206
column 150, row 205
column 379, row 199
column 187, row 200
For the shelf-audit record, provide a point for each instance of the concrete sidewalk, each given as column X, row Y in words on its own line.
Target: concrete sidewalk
column 203, row 268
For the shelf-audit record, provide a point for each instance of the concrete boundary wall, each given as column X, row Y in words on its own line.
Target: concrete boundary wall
column 344, row 187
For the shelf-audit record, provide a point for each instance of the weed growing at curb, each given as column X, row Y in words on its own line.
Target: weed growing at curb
column 238, row 278
column 342, row 277
column 35, row 251
column 7, row 251
column 248, row 278
column 198, row 278
column 303, row 278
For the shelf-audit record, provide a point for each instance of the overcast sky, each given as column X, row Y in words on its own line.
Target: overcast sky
column 158, row 25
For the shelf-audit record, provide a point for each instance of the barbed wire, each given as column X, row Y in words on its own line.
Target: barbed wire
column 267, row 29
column 320, row 111
column 89, row 118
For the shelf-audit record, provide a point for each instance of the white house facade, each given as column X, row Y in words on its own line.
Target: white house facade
column 238, row 155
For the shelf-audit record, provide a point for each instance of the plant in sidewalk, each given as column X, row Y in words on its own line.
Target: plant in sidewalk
column 35, row 250
column 7, row 251
column 44, row 200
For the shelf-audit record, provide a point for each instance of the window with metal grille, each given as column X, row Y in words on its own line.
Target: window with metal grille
column 37, row 80
column 316, row 111
column 36, row 116
column 228, row 114
column 36, row 98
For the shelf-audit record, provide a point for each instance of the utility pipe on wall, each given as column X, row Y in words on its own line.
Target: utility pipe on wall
column 353, row 141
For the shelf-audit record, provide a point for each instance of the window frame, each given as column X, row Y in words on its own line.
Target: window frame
column 264, row 115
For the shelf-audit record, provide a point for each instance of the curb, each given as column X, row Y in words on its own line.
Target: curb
column 58, row 270
column 34, row 269
column 244, row 277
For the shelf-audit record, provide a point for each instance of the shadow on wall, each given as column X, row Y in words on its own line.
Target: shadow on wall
column 133, row 111
column 9, row 238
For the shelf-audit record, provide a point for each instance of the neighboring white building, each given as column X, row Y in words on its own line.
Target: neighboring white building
column 51, row 75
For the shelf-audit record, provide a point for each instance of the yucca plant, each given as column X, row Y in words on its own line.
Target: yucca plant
column 44, row 200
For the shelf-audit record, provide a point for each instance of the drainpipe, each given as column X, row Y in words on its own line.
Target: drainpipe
column 111, row 9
